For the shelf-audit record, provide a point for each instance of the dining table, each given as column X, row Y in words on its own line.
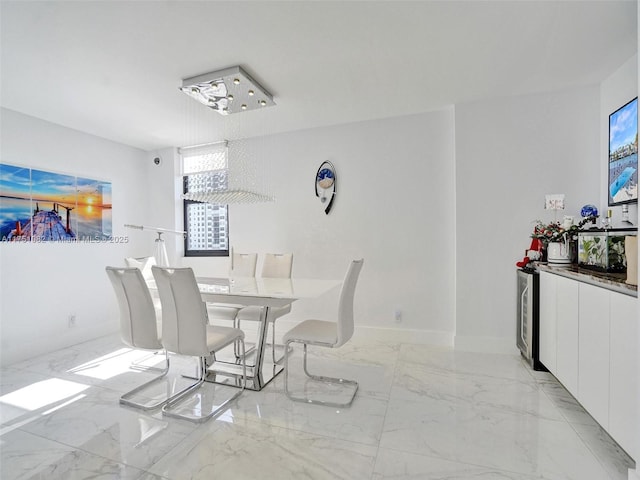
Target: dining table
column 266, row 293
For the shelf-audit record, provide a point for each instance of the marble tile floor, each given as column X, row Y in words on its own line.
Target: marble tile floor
column 422, row 412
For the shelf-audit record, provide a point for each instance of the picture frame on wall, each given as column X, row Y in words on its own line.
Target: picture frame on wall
column 44, row 206
column 623, row 155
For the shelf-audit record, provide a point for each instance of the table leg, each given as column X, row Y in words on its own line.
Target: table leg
column 258, row 380
column 260, row 374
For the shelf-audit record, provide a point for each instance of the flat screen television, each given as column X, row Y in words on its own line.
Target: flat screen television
column 623, row 154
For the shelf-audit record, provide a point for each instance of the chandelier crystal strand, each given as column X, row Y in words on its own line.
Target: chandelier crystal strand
column 248, row 171
column 240, row 175
column 252, row 163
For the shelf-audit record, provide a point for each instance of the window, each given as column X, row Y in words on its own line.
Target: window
column 204, row 169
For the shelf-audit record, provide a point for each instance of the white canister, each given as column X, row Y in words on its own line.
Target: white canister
column 567, row 222
column 558, row 252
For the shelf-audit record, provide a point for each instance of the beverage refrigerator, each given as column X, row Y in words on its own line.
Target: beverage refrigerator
column 528, row 319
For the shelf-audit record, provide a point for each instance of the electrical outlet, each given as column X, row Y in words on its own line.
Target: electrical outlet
column 72, row 320
column 398, row 315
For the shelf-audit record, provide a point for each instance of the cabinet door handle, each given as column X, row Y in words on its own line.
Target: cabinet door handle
column 522, row 295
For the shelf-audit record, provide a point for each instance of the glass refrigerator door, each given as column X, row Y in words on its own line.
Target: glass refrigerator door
column 524, row 314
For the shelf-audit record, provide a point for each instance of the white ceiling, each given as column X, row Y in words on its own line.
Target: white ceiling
column 113, row 69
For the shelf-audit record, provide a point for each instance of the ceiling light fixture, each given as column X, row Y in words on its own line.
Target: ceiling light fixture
column 218, row 90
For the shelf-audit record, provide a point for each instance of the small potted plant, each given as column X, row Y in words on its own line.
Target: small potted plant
column 559, row 239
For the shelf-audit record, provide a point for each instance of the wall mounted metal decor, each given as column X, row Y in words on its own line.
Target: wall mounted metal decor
column 326, row 184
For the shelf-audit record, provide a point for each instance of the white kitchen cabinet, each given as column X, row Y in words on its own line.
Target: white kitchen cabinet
column 547, row 327
column 588, row 341
column 567, row 328
column 593, row 352
column 623, row 404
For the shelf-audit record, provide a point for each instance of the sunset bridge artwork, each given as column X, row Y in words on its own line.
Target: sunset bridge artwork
column 40, row 206
column 44, row 226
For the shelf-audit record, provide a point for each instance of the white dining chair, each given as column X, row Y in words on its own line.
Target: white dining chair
column 138, row 325
column 329, row 334
column 144, row 264
column 242, row 265
column 186, row 332
column 275, row 265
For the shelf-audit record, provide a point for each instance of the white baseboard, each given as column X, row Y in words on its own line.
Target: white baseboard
column 47, row 343
column 399, row 335
column 486, row 344
column 403, row 335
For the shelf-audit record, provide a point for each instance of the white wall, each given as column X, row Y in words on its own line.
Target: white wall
column 42, row 284
column 163, row 209
column 395, row 207
column 510, row 152
column 619, row 88
column 634, row 473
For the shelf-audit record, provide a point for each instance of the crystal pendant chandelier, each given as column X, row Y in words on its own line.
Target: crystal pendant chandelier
column 230, row 171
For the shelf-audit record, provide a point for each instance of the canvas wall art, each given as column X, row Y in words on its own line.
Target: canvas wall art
column 42, row 206
column 623, row 154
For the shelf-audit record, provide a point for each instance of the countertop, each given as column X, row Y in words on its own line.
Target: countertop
column 610, row 281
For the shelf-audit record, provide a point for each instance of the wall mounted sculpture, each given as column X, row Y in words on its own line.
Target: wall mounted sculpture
column 326, row 184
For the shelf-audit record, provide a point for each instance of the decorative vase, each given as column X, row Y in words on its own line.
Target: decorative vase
column 558, row 252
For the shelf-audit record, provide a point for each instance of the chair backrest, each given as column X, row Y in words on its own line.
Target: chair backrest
column 184, row 314
column 345, row 305
column 243, row 264
column 138, row 327
column 277, row 265
column 142, row 263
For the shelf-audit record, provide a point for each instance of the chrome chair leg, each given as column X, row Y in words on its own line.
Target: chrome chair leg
column 137, row 364
column 172, row 404
column 126, row 399
column 274, row 345
column 236, row 324
column 177, row 397
column 328, row 380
